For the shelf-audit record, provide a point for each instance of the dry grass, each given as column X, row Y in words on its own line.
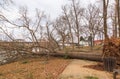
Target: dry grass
column 34, row 68
column 86, row 49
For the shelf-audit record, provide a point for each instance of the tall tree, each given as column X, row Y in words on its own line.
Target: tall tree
column 105, row 6
column 118, row 13
column 113, row 17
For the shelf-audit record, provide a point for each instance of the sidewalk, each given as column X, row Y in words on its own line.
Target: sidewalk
column 75, row 70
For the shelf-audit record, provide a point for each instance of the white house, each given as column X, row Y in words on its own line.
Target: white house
column 84, row 43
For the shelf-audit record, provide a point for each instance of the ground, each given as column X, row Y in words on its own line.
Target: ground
column 84, row 69
column 34, row 68
column 85, row 49
column 54, row 68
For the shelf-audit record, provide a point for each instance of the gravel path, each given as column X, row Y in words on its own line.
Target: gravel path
column 77, row 70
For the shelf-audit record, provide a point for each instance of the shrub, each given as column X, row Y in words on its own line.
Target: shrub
column 25, row 62
column 91, row 77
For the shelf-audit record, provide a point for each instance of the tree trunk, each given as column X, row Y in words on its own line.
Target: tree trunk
column 76, row 21
column 63, row 45
column 105, row 18
column 115, row 21
column 118, row 2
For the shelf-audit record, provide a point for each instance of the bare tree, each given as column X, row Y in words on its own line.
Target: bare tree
column 52, row 40
column 69, row 21
column 77, row 13
column 62, row 29
column 113, row 15
column 33, row 26
column 73, row 15
column 94, row 20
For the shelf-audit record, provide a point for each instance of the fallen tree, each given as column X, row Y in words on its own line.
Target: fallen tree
column 111, row 48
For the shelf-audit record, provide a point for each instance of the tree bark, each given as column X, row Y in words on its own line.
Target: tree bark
column 118, row 12
column 115, row 22
column 76, row 21
column 105, row 17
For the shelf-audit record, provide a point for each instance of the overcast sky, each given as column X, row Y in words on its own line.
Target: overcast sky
column 50, row 7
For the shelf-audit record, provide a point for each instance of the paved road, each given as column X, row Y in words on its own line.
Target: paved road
column 75, row 70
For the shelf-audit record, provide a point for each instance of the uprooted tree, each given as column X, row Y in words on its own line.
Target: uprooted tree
column 111, row 48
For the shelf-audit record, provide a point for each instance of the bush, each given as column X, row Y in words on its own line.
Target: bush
column 25, row 62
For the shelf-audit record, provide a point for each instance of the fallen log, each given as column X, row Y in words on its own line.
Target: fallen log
column 74, row 56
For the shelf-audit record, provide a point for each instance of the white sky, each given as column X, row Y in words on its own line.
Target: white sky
column 50, row 7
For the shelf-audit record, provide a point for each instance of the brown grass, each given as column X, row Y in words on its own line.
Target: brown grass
column 34, row 68
column 86, row 49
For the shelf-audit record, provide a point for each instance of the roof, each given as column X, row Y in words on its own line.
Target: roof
column 98, row 40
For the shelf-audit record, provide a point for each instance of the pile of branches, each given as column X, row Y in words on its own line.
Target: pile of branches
column 11, row 51
column 111, row 48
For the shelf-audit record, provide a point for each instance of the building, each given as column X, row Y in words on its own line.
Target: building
column 98, row 42
column 84, row 43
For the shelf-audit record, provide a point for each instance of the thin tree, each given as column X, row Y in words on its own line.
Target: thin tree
column 92, row 16
column 113, row 15
column 62, row 29
column 69, row 21
column 77, row 14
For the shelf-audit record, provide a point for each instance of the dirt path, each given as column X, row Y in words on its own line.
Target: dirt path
column 77, row 70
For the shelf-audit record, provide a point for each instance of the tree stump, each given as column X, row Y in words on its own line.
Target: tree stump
column 109, row 63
